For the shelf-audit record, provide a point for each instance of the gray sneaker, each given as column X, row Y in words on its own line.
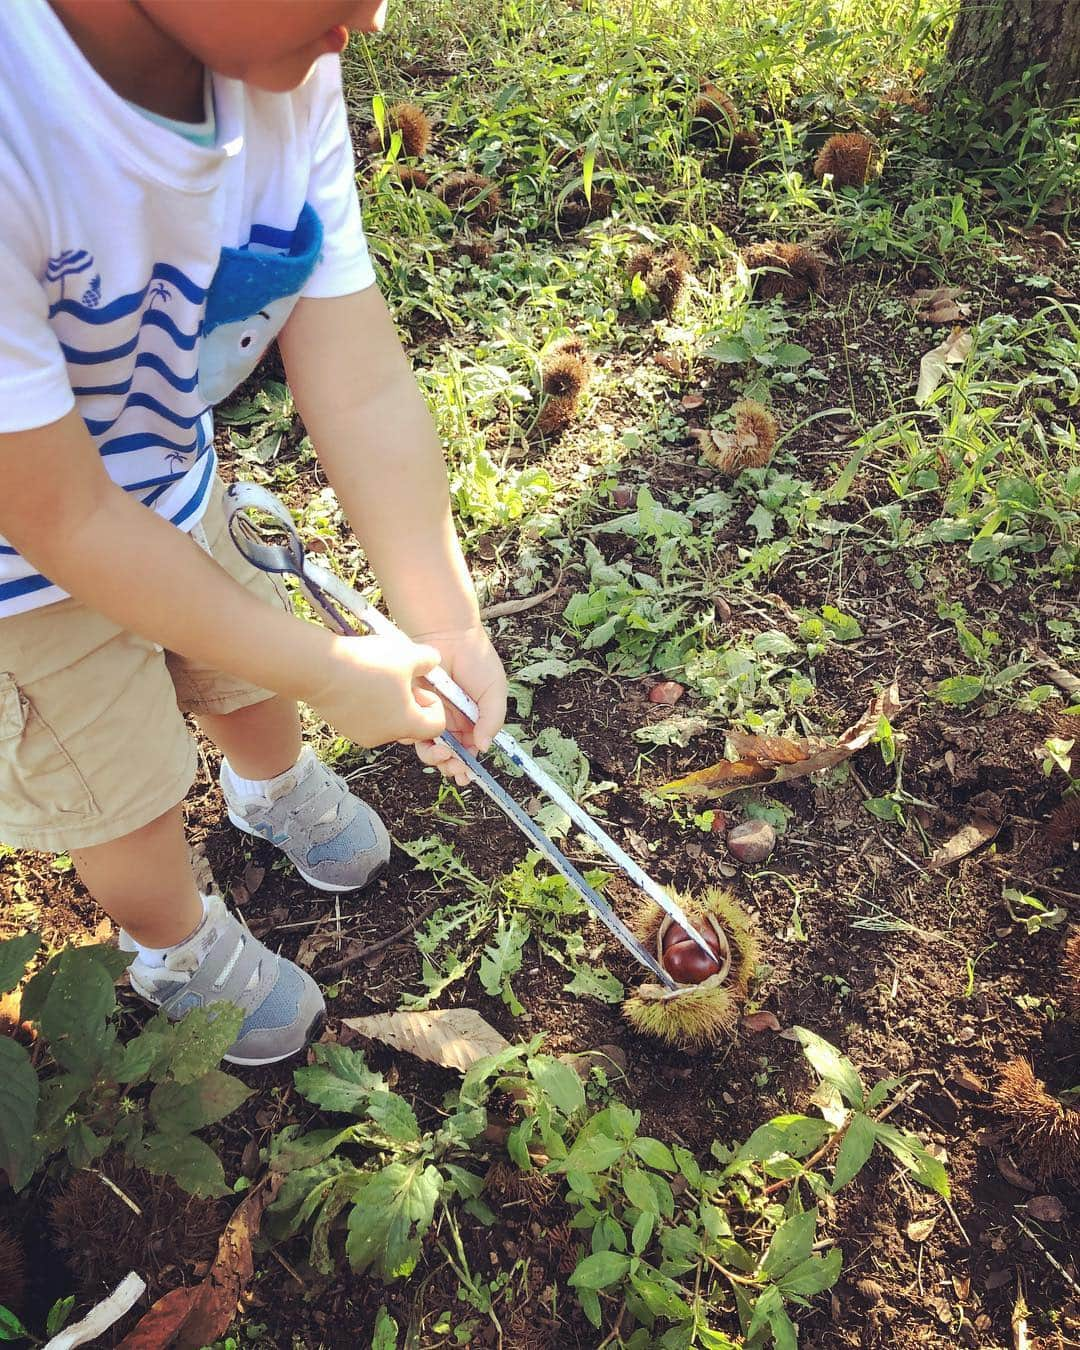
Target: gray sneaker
column 333, row 839
column 223, row 963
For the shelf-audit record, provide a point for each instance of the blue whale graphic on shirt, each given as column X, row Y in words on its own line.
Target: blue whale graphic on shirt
column 249, row 299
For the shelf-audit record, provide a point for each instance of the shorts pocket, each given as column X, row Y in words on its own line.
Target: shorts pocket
column 40, row 786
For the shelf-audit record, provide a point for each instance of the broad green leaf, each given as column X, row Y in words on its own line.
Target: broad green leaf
column 600, row 1270
column 394, row 1116
column 590, row 1305
column 769, row 1312
column 502, row 960
column 84, row 1146
column 301, row 1193
column 18, row 1112
column 880, row 1091
column 181, row 1108
column 384, row 1334
column 11, row 1329
column 844, row 627
column 795, row 1135
column 596, row 982
column 639, row 1191
column 73, row 1014
column 855, row 1147
column 190, row 1162
column 791, row 1245
column 728, row 351
column 15, row 955
column 661, row 1296
column 59, row 1314
column 594, row 1154
column 642, row 1232
column 339, row 1080
column 788, row 354
column 559, row 1082
column 197, row 1043
column 392, row 1214
column 655, row 1153
column 922, row 1165
column 812, row 1276
column 138, row 1058
column 832, row 1066
column 958, row 689
column 292, row 1152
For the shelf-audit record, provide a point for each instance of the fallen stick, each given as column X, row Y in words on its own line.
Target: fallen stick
column 336, row 967
column 502, row 608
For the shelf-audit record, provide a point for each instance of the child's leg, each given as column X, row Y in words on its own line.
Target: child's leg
column 260, row 741
column 144, row 881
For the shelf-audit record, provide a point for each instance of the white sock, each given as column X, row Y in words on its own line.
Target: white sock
column 252, row 787
column 157, row 956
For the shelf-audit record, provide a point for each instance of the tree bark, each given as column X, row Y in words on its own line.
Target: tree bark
column 996, row 41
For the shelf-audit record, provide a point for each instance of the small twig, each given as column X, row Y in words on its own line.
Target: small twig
column 503, row 608
column 956, row 1220
column 336, row 967
column 730, row 1274
column 615, row 1329
column 281, row 1261
column 107, row 1181
column 1049, row 1255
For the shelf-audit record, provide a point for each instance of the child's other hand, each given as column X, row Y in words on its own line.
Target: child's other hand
column 374, row 691
column 472, row 662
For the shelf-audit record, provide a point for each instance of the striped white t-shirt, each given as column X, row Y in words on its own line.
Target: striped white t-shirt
column 143, row 274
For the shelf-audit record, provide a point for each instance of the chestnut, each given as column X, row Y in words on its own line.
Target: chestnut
column 684, row 960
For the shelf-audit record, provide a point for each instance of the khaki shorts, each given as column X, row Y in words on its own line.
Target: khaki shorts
column 93, row 742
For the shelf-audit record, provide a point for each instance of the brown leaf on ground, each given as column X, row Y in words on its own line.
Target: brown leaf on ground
column 940, row 305
column 918, row 1230
column 980, row 829
column 954, row 351
column 1046, row 1208
column 454, row 1038
column 760, row 767
column 186, row 1319
column 761, row 1021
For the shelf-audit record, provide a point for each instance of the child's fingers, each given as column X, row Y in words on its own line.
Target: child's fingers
column 492, row 708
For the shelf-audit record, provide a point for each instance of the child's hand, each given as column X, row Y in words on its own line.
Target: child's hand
column 373, row 691
column 472, row 662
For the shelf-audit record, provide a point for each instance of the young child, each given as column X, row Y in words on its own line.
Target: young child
column 176, row 190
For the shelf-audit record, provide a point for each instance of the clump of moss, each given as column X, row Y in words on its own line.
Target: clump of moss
column 664, row 275
column 565, row 372
column 697, row 1014
column 12, row 1271
column 413, row 124
column 471, row 194
column 788, row 270
column 576, row 210
column 850, row 158
column 1046, row 1132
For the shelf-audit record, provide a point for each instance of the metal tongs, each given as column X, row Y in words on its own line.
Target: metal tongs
column 339, row 604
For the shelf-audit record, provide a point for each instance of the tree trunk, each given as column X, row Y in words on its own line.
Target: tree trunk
column 995, row 41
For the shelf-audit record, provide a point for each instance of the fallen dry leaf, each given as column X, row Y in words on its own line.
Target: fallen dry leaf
column 940, row 305
column 979, row 830
column 1046, row 1208
column 691, row 401
column 1014, row 1176
column 970, row 1082
column 189, row 1318
column 253, row 877
column 918, row 1230
column 761, row 1021
column 667, row 692
column 760, row 767
column 954, row 351
column 454, row 1038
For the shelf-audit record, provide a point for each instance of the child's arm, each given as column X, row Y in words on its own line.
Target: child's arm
column 62, row 512
column 374, row 434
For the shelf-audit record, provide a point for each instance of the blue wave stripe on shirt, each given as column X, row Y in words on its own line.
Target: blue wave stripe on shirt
column 10, row 589
column 271, row 236
column 144, row 440
column 148, row 401
column 144, row 361
column 153, row 317
column 126, row 304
